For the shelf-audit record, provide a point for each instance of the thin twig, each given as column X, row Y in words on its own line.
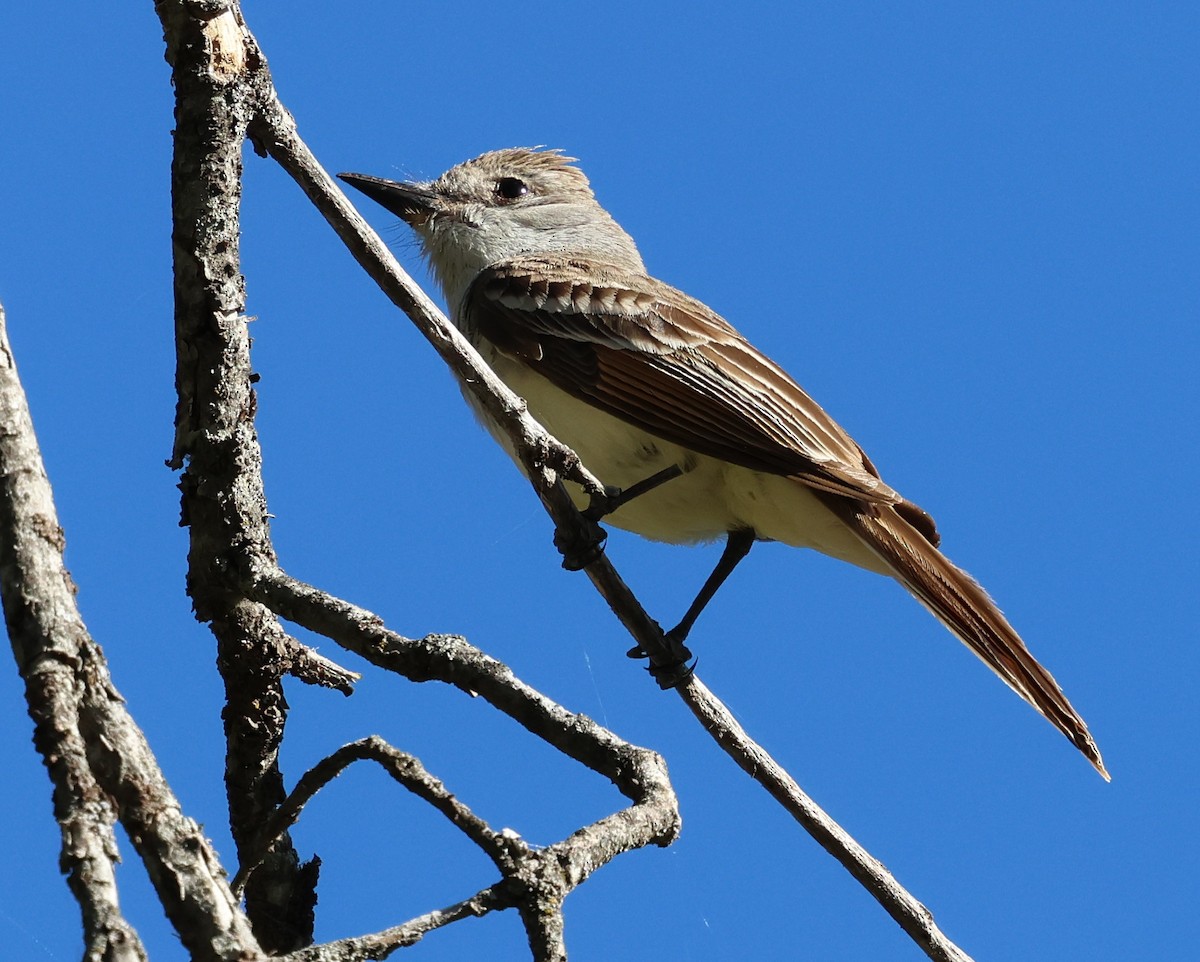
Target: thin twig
column 379, row 945
column 409, row 772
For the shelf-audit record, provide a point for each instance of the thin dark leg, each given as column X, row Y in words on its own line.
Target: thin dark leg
column 613, row 498
column 737, row 546
column 580, row 548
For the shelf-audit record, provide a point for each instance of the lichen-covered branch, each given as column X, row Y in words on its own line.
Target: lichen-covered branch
column 409, row 772
column 98, row 760
column 216, row 445
column 538, row 881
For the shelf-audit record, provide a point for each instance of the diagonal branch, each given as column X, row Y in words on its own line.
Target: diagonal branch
column 379, row 945
column 46, row 650
column 76, row 710
column 756, row 762
column 639, row 774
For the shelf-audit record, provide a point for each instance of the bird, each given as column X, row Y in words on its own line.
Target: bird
column 657, row 392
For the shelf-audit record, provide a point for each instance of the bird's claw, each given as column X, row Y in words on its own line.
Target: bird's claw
column 674, row 671
column 672, row 675
column 581, row 546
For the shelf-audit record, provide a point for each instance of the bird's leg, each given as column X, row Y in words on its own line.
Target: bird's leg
column 737, row 545
column 613, row 497
column 581, row 547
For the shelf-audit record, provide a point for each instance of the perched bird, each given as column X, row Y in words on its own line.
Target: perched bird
column 644, row 382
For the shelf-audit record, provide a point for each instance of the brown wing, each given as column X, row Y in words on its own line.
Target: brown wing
column 656, row 358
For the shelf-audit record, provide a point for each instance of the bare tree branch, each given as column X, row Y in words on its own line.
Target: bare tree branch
column 97, row 757
column 638, row 774
column 537, row 882
column 379, row 945
column 216, row 445
column 45, row 640
column 409, row 772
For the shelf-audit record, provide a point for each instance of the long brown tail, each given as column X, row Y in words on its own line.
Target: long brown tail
column 965, row 608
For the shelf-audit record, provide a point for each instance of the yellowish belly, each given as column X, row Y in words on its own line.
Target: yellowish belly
column 711, row 498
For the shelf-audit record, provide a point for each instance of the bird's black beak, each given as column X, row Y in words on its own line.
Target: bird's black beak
column 412, row 203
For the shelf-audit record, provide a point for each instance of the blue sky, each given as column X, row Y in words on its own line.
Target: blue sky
column 969, row 230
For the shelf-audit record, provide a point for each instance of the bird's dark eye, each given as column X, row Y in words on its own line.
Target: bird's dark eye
column 510, row 188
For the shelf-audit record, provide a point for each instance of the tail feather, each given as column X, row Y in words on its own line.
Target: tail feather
column 958, row 601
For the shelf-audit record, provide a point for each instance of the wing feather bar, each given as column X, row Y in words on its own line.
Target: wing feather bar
column 654, row 357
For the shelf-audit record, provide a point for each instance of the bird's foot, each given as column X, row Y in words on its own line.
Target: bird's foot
column 676, row 664
column 581, row 545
